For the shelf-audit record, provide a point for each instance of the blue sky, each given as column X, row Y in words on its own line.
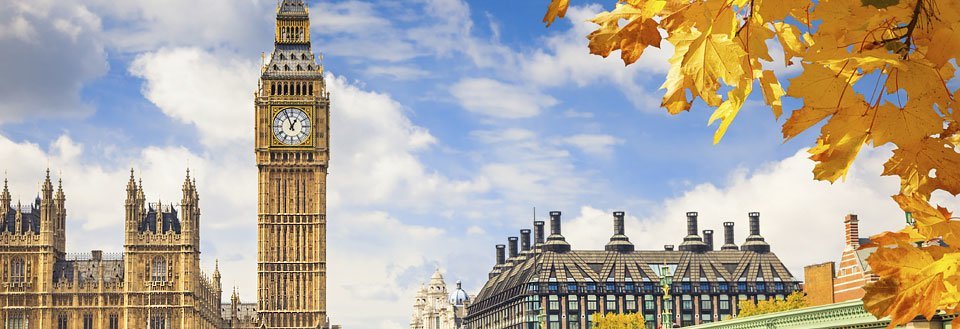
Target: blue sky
column 451, row 120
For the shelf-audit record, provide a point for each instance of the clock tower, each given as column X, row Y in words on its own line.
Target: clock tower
column 292, row 150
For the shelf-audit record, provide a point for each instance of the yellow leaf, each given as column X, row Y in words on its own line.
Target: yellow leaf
column 772, row 91
column 841, row 139
column 822, row 87
column 944, row 45
column 727, row 111
column 932, row 161
column 635, row 37
column 922, row 82
column 790, row 40
column 904, row 126
column 753, row 38
column 912, row 282
column 557, row 8
column 713, row 57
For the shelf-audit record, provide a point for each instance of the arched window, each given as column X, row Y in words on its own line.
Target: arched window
column 17, row 270
column 159, row 271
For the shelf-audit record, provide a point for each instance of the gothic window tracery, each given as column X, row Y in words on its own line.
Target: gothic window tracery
column 17, row 274
column 159, row 271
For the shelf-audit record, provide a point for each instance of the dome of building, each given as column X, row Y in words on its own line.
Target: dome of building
column 459, row 297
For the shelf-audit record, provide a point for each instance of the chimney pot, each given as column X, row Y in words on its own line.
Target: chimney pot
column 538, row 232
column 755, row 242
column 852, row 230
column 97, row 255
column 512, row 244
column 525, row 240
column 555, row 223
column 668, row 247
column 501, row 254
column 754, row 223
column 618, row 223
column 692, row 223
column 619, row 241
column 728, row 243
column 708, row 239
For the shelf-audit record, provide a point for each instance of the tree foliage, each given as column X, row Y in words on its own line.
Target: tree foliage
column 793, row 301
column 875, row 72
column 619, row 321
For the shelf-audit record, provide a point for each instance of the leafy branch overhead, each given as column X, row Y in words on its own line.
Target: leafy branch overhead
column 875, row 72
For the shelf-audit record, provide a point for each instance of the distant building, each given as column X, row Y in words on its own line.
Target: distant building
column 237, row 315
column 434, row 308
column 826, row 284
column 550, row 285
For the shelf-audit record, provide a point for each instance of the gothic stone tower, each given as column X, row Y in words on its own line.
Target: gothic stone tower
column 292, row 151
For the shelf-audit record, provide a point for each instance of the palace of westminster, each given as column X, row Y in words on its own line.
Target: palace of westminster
column 157, row 282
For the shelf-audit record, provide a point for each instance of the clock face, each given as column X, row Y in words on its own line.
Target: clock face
column 291, row 126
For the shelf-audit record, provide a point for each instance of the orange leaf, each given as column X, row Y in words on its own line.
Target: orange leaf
column 557, row 8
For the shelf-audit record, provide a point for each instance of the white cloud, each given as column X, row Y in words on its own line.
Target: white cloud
column 381, row 168
column 147, row 25
column 802, row 219
column 397, row 72
column 593, row 144
column 524, row 170
column 206, row 89
column 39, row 80
column 571, row 113
column 566, row 59
column 500, row 100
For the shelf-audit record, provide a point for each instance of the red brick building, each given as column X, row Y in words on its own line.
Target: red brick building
column 828, row 283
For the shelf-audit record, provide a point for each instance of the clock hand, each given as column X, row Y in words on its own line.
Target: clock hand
column 292, row 123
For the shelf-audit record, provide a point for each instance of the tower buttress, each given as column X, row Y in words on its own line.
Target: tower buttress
column 190, row 213
column 46, row 210
column 4, row 199
column 60, row 220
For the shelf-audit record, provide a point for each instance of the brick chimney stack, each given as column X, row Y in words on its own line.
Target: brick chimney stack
column 852, row 229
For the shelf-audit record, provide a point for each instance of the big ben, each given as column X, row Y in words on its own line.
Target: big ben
column 292, row 151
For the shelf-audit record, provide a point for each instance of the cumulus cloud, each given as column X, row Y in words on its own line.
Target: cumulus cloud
column 140, row 26
column 565, row 60
column 497, row 99
column 50, row 50
column 208, row 90
column 802, row 219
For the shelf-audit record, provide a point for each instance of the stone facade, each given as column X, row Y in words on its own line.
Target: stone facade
column 155, row 283
column 292, row 155
column 434, row 308
column 550, row 286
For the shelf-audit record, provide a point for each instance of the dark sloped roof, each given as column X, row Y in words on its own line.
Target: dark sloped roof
column 166, row 215
column 637, row 266
column 292, row 61
column 292, row 8
column 88, row 270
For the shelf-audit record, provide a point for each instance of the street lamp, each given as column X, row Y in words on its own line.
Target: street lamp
column 666, row 279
